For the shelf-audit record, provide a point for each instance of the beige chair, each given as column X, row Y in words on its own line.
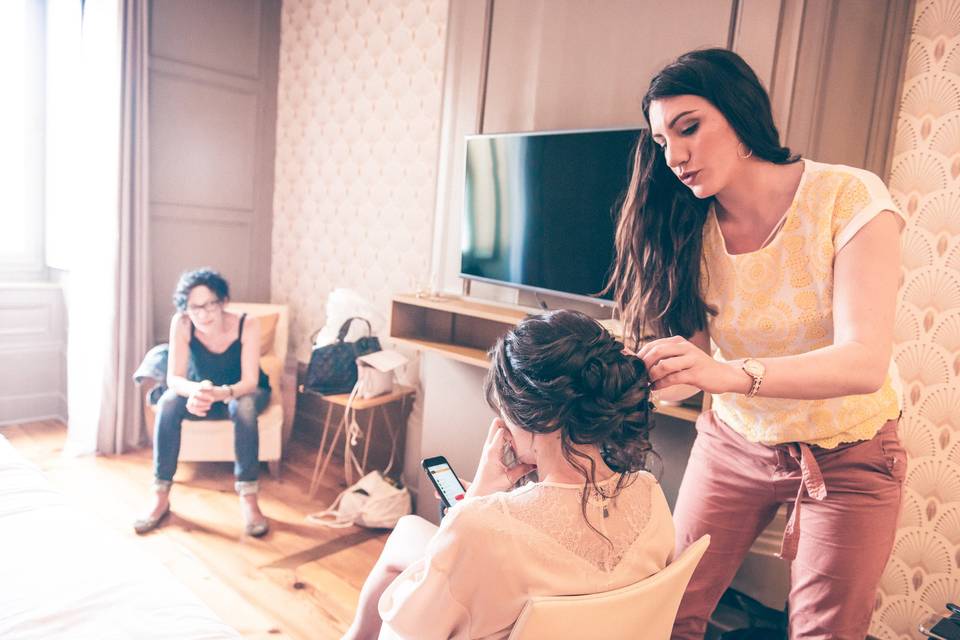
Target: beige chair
column 212, row 440
column 645, row 610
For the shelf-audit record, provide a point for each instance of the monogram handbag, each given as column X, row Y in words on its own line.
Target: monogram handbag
column 333, row 367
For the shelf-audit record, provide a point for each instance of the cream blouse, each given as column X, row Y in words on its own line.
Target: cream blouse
column 778, row 301
column 491, row 554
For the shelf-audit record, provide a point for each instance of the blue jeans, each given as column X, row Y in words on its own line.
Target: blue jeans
column 172, row 410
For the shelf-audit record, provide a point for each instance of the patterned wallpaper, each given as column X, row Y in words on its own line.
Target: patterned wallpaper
column 358, row 118
column 924, row 571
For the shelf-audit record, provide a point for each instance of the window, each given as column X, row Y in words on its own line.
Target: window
column 22, row 118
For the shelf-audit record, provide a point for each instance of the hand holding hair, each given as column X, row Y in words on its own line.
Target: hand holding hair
column 676, row 360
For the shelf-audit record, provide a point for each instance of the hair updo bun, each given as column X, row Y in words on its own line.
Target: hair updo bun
column 563, row 371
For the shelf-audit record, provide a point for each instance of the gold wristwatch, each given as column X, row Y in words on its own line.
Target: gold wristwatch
column 754, row 369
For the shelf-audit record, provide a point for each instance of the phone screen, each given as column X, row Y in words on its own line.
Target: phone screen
column 946, row 628
column 445, row 480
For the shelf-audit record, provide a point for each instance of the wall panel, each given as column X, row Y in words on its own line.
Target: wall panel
column 202, row 147
column 213, row 75
column 222, row 35
column 32, row 352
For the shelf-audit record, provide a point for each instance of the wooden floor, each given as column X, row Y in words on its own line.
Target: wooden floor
column 299, row 581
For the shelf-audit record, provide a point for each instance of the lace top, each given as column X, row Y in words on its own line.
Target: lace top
column 491, row 554
column 778, row 301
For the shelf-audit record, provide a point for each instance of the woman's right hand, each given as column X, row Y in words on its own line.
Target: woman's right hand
column 199, row 402
column 492, row 476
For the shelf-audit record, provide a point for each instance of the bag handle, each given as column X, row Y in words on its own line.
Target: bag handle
column 331, row 517
column 345, row 328
column 352, row 433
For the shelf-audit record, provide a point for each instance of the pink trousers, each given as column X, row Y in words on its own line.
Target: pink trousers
column 843, row 506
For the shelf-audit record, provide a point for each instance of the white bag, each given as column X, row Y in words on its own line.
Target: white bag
column 346, row 303
column 375, row 372
column 372, row 502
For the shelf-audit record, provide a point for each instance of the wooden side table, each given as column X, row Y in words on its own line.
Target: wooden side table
column 400, row 394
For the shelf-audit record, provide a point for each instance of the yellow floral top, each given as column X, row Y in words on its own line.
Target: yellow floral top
column 778, row 301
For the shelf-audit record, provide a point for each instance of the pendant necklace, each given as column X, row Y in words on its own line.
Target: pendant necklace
column 600, row 499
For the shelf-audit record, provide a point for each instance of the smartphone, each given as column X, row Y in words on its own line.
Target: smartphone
column 508, row 456
column 941, row 628
column 442, row 476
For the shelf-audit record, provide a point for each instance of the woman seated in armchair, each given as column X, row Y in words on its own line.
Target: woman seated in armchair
column 222, row 350
column 576, row 409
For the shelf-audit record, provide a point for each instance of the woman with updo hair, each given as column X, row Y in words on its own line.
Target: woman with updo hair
column 576, row 410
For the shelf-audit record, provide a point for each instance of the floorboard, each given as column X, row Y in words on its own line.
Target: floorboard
column 298, row 582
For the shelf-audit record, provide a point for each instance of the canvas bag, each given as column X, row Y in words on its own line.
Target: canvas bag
column 370, row 502
column 373, row 501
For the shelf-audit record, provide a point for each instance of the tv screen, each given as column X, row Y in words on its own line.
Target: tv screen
column 540, row 209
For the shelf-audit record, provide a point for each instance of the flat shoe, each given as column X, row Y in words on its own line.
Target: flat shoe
column 257, row 529
column 146, row 525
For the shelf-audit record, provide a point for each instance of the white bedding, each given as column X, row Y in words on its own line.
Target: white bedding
column 64, row 575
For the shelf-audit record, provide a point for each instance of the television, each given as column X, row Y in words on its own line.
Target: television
column 540, row 209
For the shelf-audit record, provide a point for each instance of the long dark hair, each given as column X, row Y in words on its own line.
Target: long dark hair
column 562, row 371
column 659, row 244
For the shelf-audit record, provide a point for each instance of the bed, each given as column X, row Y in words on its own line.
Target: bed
column 64, row 574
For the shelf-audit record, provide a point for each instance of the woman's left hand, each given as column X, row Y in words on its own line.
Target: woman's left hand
column 676, row 360
column 492, row 476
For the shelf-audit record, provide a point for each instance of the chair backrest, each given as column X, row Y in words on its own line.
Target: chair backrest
column 646, row 609
column 281, row 332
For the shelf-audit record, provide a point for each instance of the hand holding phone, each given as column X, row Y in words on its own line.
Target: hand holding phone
column 444, row 479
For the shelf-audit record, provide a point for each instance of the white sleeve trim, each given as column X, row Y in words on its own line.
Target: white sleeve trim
column 860, row 220
column 880, row 201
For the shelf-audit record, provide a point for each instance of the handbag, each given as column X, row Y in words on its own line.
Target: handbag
column 333, row 367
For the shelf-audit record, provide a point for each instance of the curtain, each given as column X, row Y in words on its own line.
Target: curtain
column 121, row 420
column 104, row 245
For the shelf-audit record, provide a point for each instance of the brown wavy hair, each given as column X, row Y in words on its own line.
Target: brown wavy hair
column 562, row 371
column 656, row 279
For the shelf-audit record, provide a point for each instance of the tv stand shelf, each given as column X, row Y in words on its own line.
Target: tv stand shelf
column 455, row 327
column 464, row 330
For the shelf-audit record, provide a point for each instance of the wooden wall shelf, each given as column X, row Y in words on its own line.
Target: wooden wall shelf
column 464, row 330
column 460, row 329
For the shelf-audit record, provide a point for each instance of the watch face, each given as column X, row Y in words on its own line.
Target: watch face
column 754, row 368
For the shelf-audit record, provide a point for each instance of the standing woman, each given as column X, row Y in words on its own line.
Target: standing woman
column 790, row 267
column 213, row 371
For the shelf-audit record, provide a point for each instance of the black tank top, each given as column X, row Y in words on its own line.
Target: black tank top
column 220, row 368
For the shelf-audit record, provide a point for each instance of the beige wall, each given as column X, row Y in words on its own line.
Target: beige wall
column 357, row 139
column 924, row 571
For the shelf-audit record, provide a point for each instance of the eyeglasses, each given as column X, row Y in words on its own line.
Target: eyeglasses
column 209, row 307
